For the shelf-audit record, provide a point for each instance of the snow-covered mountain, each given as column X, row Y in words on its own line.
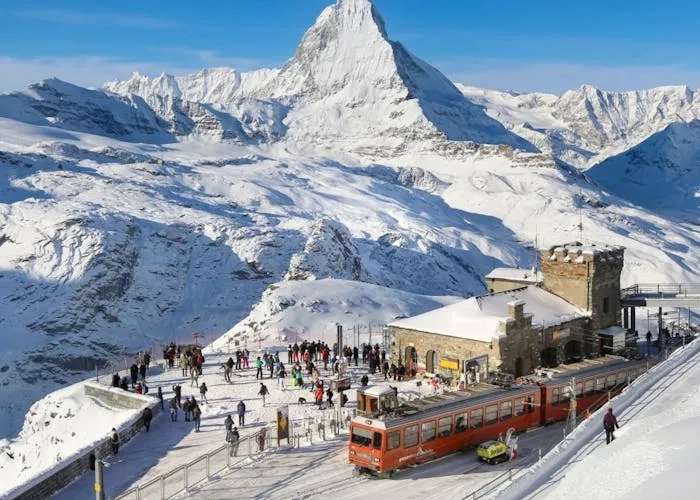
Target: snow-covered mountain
column 347, row 81
column 159, row 207
column 585, row 126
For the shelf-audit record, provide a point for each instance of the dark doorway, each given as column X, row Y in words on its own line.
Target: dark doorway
column 411, row 361
column 549, row 357
column 573, row 351
column 431, row 361
column 518, row 367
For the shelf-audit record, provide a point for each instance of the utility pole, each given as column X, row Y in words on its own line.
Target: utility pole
column 662, row 336
column 99, row 480
column 571, row 421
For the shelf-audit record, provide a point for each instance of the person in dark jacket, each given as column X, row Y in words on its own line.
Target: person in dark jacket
column 160, row 396
column 196, row 417
column 203, row 391
column 124, row 384
column 228, row 423
column 241, row 413
column 134, row 372
column 263, row 392
column 232, row 438
column 147, row 417
column 116, row 380
column 177, row 389
column 610, row 424
column 114, row 441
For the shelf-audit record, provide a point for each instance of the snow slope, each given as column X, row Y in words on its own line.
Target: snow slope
column 652, row 455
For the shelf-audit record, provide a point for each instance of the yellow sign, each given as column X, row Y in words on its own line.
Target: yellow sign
column 450, row 364
column 98, row 487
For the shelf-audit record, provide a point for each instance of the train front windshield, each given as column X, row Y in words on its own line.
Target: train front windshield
column 362, row 437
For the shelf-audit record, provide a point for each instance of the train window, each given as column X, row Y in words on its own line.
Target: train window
column 610, row 381
column 460, row 422
column 588, row 388
column 444, row 427
column 632, row 374
column 476, row 418
column 410, row 436
column 377, row 441
column 530, row 404
column 506, row 410
column 491, row 414
column 564, row 395
column 392, row 440
column 579, row 389
column 427, row 431
column 555, row 396
column 600, row 385
column 621, row 378
column 519, row 407
column 361, row 436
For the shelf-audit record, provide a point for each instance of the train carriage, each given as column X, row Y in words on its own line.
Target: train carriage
column 386, row 435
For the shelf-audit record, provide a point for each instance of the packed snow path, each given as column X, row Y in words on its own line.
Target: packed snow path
column 654, row 450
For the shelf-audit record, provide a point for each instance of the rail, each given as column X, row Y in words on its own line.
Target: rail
column 673, row 289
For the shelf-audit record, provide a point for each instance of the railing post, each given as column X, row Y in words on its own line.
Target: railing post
column 208, row 475
column 162, row 488
column 186, row 479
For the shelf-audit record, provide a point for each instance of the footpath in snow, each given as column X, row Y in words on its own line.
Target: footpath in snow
column 655, row 450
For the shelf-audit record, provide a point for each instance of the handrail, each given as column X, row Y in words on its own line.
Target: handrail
column 660, row 289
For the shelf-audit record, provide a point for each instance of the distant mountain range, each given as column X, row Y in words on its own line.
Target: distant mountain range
column 216, row 202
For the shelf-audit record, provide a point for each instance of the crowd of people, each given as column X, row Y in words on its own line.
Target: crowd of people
column 305, row 363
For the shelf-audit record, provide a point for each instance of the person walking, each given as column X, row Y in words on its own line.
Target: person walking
column 177, row 389
column 258, row 368
column 610, row 424
column 114, row 441
column 197, row 417
column 228, row 423
column 241, row 413
column 160, row 396
column 263, row 392
column 147, row 417
column 233, row 438
column 173, row 409
column 203, row 392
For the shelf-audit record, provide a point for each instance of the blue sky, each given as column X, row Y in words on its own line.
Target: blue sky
column 540, row 45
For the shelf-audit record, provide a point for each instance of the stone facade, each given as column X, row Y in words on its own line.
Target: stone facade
column 502, row 285
column 446, row 347
column 588, row 277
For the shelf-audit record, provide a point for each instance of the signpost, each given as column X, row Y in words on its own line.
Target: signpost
column 339, row 350
column 196, row 336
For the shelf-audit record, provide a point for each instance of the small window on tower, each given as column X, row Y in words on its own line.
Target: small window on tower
column 606, row 304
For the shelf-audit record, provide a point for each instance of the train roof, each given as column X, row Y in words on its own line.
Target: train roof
column 587, row 368
column 417, row 409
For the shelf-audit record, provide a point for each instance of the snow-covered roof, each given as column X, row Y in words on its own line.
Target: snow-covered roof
column 515, row 274
column 378, row 390
column 478, row 318
column 580, row 249
column 613, row 331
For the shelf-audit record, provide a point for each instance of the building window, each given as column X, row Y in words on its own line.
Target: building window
column 606, row 304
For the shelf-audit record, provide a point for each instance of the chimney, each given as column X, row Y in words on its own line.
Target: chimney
column 516, row 309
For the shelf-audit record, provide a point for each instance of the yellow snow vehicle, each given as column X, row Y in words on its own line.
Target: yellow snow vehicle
column 492, row 452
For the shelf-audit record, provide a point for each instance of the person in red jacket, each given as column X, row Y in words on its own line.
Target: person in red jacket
column 610, row 424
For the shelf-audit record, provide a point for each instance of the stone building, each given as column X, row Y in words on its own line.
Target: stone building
column 503, row 330
column 514, row 330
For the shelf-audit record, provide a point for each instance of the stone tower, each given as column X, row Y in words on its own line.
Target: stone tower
column 587, row 276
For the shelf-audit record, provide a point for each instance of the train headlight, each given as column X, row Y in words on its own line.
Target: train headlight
column 375, row 460
column 352, row 452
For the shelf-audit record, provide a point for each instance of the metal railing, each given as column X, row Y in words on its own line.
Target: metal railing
column 329, row 423
column 672, row 289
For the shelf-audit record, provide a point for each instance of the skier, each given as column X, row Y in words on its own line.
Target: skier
column 241, row 413
column 610, row 424
column 263, row 392
column 114, row 441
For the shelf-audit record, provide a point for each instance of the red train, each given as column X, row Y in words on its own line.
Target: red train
column 386, row 435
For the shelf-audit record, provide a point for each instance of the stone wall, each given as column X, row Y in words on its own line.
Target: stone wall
column 447, row 347
column 501, row 285
column 73, row 467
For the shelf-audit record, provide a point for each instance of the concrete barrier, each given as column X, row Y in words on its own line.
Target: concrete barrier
column 69, row 469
